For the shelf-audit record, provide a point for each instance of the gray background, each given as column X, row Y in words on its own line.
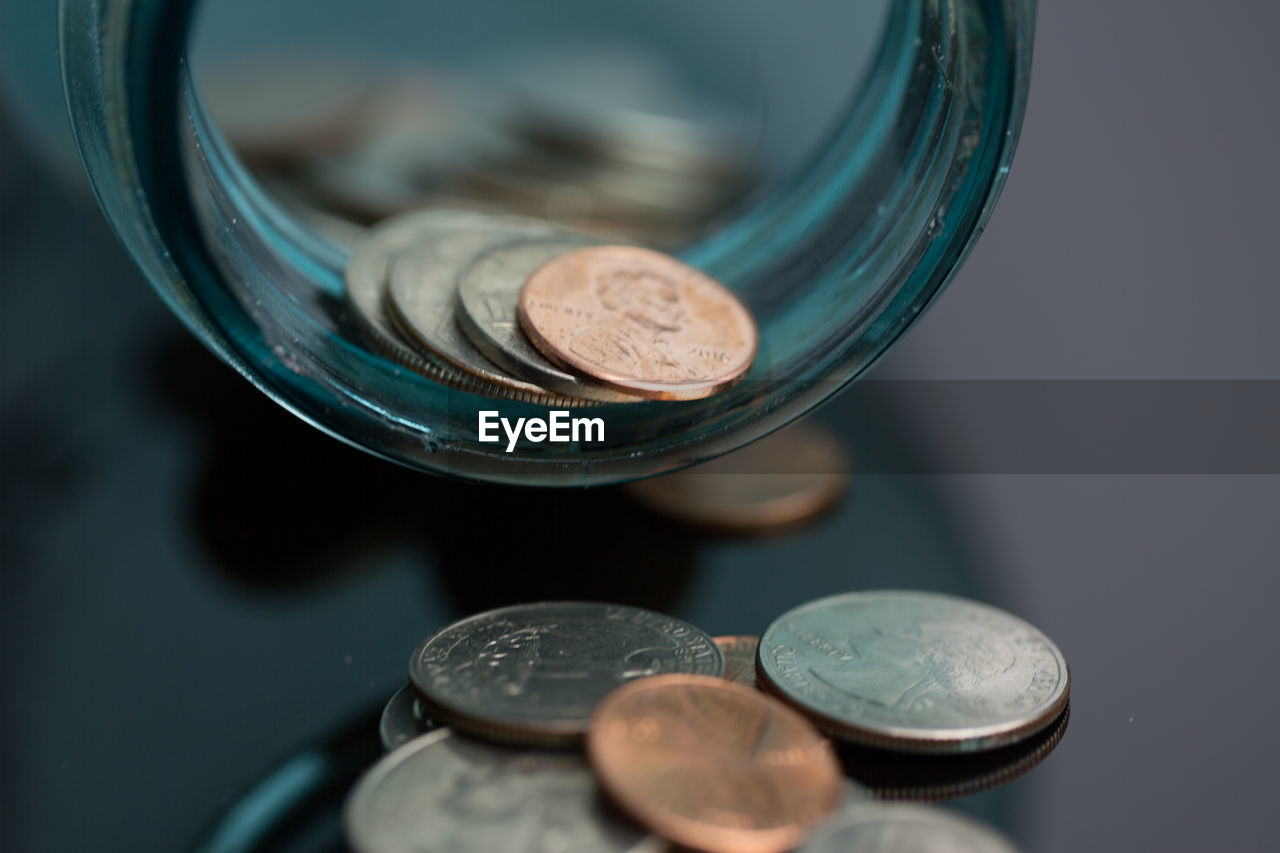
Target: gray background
column 180, row 607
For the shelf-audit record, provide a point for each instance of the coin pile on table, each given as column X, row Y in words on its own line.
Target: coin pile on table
column 519, row 309
column 576, row 726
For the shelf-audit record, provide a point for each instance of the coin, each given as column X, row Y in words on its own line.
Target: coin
column 771, row 486
column 886, row 828
column 367, row 271
column 422, row 298
column 639, row 321
column 713, row 765
column 914, row 671
column 280, row 109
column 402, row 720
column 533, row 673
column 488, row 291
column 366, row 276
column 443, row 793
column 739, row 659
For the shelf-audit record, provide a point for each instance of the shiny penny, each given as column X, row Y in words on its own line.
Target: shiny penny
column 739, row 659
column 713, row 765
column 639, row 321
column 897, row 828
column 422, row 300
column 771, row 486
column 533, row 673
column 914, row 671
column 444, row 793
column 488, row 291
column 402, row 719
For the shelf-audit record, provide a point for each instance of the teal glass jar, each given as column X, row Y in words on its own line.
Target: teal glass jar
column 836, row 254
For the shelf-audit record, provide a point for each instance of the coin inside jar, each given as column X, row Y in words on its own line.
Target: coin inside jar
column 488, row 290
column 639, row 321
column 914, row 671
column 713, row 765
column 533, row 673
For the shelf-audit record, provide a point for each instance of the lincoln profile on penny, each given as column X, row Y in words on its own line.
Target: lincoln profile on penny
column 640, row 307
column 639, row 321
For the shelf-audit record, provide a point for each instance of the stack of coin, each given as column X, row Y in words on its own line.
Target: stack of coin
column 593, row 136
column 514, row 308
column 681, row 750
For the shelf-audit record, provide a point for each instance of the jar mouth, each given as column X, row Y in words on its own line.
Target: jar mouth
column 835, row 262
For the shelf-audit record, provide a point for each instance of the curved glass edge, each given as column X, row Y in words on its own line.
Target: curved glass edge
column 132, row 162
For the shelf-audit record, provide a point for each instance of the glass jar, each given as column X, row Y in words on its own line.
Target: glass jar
column 836, row 255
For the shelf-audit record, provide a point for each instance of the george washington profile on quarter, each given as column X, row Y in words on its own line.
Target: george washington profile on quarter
column 915, row 671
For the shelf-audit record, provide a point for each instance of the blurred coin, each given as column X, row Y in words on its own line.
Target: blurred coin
column 739, row 659
column 533, row 673
column 443, row 793
column 281, row 109
column 402, row 720
column 488, row 290
column 896, row 828
column 639, row 321
column 914, row 671
column 773, row 485
column 415, row 135
column 620, row 98
column 713, row 765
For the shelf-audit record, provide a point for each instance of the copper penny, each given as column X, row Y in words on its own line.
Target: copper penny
column 640, row 321
column 739, row 659
column 713, row 765
column 772, row 486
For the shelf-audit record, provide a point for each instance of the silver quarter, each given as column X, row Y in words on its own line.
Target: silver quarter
column 402, row 719
column 368, row 270
column 914, row 671
column 896, row 828
column 533, row 673
column 422, row 297
column 369, row 265
column 443, row 793
column 488, row 295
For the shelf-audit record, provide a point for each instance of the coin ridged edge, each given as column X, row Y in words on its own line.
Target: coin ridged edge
column 575, row 384
column 981, row 782
column 519, row 390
